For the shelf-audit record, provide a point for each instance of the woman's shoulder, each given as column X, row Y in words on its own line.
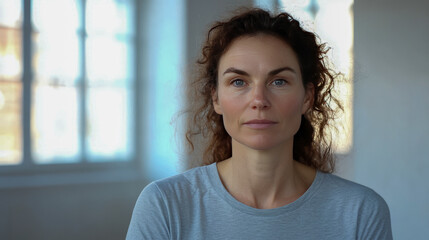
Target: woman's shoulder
column 341, row 185
column 187, row 182
column 359, row 202
column 163, row 199
column 345, row 191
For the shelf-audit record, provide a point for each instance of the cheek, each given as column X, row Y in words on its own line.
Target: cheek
column 230, row 107
column 291, row 106
column 232, row 110
column 292, row 112
column 229, row 103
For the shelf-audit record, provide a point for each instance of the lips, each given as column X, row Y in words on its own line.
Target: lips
column 259, row 123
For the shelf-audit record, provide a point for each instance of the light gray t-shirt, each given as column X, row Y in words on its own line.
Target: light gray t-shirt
column 195, row 205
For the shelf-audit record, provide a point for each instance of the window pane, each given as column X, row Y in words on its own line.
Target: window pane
column 10, row 123
column 108, row 61
column 109, row 17
column 55, row 105
column 10, row 13
column 109, row 123
column 10, row 40
column 61, row 15
column 55, row 125
column 10, row 85
column 56, row 58
column 56, row 55
column 109, row 43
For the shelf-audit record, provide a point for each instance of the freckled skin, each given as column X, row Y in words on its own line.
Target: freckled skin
column 251, row 91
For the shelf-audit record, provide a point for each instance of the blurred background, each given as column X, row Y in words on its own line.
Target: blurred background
column 90, row 92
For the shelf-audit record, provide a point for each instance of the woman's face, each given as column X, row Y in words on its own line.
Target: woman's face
column 260, row 92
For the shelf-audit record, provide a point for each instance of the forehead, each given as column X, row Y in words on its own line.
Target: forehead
column 260, row 49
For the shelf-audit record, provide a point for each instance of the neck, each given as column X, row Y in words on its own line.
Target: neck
column 264, row 179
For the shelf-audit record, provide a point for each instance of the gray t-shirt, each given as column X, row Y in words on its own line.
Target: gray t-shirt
column 195, row 205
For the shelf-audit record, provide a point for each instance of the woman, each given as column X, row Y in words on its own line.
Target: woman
column 264, row 94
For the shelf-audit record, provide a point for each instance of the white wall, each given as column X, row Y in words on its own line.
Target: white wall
column 391, row 109
column 162, row 49
column 201, row 14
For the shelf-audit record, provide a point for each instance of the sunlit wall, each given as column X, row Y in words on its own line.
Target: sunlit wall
column 332, row 21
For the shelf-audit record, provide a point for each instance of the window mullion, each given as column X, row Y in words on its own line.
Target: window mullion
column 137, row 98
column 82, row 83
column 27, row 78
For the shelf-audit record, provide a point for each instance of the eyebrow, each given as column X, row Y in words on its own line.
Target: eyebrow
column 271, row 73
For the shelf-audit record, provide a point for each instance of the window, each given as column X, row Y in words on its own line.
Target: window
column 67, row 82
column 10, row 86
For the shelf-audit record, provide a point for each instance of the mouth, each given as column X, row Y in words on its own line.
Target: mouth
column 259, row 123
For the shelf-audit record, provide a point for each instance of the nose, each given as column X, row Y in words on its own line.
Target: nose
column 259, row 99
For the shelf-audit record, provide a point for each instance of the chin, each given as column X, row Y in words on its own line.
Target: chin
column 261, row 143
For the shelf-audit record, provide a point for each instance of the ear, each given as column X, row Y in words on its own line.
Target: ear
column 215, row 100
column 308, row 98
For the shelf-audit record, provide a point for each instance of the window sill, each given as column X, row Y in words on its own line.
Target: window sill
column 63, row 176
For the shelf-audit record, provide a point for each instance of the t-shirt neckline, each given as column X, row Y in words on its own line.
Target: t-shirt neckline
column 217, row 185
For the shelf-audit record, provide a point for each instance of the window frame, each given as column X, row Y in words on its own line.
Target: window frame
column 29, row 173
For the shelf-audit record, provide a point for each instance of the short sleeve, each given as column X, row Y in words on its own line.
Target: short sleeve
column 374, row 219
column 150, row 217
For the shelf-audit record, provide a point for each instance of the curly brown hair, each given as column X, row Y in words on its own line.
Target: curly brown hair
column 312, row 142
